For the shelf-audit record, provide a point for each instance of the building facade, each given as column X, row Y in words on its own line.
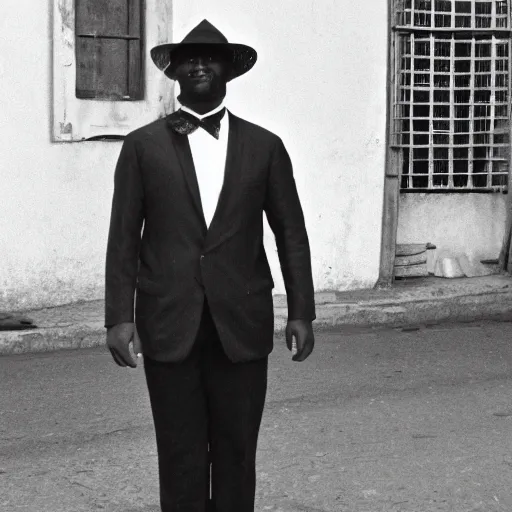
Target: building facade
column 331, row 79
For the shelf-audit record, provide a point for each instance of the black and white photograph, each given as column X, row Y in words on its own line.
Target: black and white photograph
column 255, row 256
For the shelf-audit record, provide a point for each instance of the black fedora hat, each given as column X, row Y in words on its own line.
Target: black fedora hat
column 242, row 57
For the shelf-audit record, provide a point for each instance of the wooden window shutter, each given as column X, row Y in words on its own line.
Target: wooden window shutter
column 109, row 50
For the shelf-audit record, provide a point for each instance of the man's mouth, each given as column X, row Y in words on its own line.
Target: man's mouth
column 201, row 76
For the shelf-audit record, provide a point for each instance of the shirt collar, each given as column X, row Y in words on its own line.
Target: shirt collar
column 201, row 116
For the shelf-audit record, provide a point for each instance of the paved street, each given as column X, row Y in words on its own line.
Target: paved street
column 374, row 421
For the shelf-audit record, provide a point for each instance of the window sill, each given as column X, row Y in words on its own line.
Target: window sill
column 453, row 191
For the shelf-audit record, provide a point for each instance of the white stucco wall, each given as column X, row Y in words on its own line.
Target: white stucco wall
column 54, row 198
column 320, row 83
column 471, row 224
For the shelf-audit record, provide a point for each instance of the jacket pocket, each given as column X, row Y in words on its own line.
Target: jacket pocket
column 260, row 286
column 149, row 286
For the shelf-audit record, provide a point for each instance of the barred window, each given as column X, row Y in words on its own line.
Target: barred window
column 451, row 99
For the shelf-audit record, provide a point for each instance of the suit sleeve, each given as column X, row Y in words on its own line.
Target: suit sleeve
column 286, row 219
column 124, row 237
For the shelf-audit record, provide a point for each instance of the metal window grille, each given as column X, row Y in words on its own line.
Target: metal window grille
column 451, row 105
column 452, row 14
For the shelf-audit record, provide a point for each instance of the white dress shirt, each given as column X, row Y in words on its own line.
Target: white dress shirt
column 209, row 155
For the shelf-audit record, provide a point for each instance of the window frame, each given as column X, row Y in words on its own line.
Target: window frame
column 76, row 119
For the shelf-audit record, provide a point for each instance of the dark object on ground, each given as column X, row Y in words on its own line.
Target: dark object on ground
column 10, row 322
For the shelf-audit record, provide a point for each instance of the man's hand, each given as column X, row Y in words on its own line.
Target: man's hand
column 303, row 332
column 119, row 338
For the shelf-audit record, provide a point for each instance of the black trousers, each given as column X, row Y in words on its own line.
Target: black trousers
column 207, row 414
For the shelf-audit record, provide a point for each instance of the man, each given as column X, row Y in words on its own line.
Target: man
column 186, row 236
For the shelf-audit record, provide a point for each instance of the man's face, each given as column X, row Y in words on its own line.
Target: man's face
column 201, row 71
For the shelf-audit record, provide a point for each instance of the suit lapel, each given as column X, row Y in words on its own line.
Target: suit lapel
column 186, row 161
column 219, row 228
column 230, row 187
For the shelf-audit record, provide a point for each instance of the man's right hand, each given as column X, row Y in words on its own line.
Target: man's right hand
column 119, row 338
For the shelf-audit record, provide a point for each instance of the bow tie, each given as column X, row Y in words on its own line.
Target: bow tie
column 185, row 123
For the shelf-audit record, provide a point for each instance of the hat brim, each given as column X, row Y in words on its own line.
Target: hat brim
column 243, row 57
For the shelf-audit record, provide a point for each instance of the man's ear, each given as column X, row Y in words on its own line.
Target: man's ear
column 228, row 73
column 228, row 60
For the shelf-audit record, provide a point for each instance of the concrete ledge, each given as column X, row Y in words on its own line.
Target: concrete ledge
column 430, row 301
column 48, row 339
column 423, row 311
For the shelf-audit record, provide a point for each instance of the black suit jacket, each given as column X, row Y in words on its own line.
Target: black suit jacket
column 159, row 247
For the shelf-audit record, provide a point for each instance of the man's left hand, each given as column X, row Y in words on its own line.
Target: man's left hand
column 304, row 337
